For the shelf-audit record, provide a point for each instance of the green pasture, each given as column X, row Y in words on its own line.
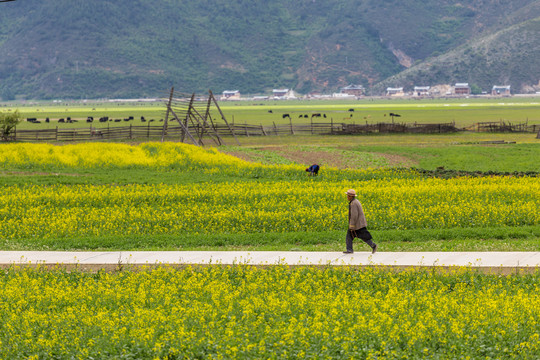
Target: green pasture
column 464, row 112
column 462, row 151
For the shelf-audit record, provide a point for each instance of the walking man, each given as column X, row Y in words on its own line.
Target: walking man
column 357, row 224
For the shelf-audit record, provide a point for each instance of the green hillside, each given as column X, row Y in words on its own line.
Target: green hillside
column 509, row 56
column 135, row 48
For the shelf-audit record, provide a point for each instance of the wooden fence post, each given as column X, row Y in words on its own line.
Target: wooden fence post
column 290, row 121
column 56, row 133
column 130, row 132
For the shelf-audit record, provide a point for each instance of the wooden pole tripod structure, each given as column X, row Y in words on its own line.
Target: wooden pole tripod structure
column 200, row 120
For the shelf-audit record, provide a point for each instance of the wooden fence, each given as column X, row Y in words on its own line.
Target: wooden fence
column 155, row 132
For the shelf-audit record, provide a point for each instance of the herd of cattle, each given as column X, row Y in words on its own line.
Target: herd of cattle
column 306, row 115
column 105, row 119
column 89, row 119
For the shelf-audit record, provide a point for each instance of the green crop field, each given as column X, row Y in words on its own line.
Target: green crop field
column 464, row 112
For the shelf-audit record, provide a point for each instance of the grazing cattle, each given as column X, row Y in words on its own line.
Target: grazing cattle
column 89, row 119
column 324, row 115
column 61, row 120
column 270, row 111
column 300, row 115
column 305, row 116
column 104, row 119
column 316, row 115
column 47, row 120
column 143, row 119
column 31, row 120
column 117, row 120
column 285, row 116
column 351, row 109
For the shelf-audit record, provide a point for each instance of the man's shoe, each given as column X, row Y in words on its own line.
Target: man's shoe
column 374, row 249
column 348, row 252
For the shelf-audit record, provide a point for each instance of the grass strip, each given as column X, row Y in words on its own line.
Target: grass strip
column 526, row 238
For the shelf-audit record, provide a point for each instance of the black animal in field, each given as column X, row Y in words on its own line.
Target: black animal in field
column 286, row 116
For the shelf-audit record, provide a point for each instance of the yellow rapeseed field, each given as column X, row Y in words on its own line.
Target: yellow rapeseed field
column 245, row 312
column 392, row 199
column 279, row 206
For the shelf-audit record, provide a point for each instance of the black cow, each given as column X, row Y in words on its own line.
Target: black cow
column 316, row 115
column 143, row 119
column 90, row 119
column 394, row 115
column 285, row 116
column 61, row 120
column 351, row 109
column 270, row 111
column 104, row 119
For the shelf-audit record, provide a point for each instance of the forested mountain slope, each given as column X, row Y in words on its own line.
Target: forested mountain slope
column 138, row 48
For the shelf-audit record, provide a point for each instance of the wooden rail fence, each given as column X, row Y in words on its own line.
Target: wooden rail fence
column 155, row 132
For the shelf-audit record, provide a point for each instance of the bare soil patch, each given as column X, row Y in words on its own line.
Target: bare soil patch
column 338, row 157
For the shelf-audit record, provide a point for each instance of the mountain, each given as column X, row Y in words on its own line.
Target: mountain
column 509, row 56
column 136, row 48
